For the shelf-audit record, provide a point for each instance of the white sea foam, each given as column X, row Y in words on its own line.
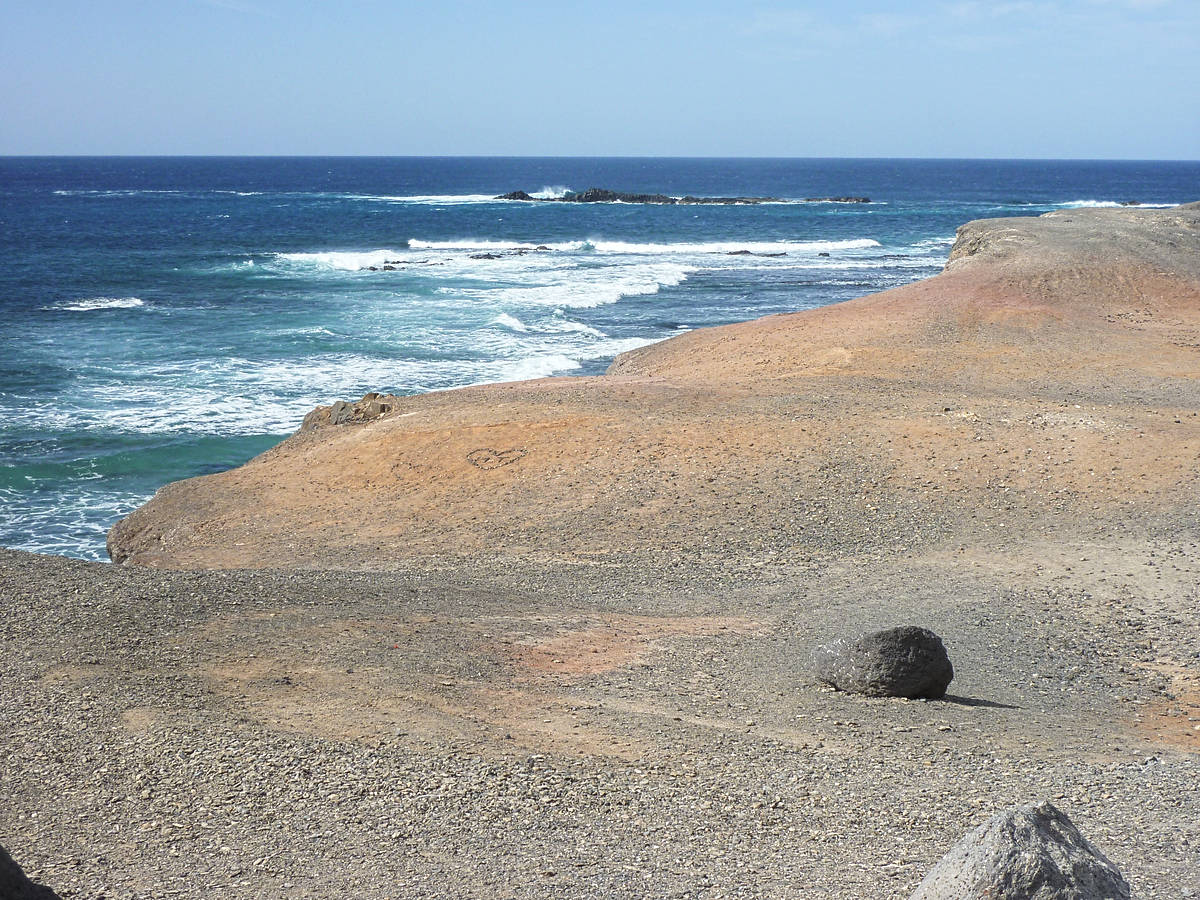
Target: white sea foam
column 546, row 365
column 587, row 288
column 1109, row 204
column 118, row 193
column 621, row 345
column 512, row 323
column 343, row 260
column 534, row 367
column 551, row 192
column 936, row 242
column 646, row 249
column 94, row 303
column 58, row 523
column 567, row 325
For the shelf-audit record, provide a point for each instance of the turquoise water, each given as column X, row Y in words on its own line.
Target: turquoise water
column 172, row 317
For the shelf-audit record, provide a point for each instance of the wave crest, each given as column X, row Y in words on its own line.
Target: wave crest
column 95, row 303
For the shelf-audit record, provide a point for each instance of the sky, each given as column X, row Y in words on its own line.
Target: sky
column 1097, row 79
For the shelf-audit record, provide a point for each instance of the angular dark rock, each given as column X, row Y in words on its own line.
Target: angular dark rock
column 898, row 662
column 1028, row 852
column 15, row 884
column 340, row 413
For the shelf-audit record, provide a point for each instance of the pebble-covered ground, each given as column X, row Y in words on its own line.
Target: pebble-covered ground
column 527, row 732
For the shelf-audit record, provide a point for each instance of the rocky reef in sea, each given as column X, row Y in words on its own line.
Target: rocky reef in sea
column 603, row 195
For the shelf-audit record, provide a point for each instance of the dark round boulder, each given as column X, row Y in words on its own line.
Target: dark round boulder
column 907, row 661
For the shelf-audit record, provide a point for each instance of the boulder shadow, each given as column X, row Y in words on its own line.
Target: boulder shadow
column 976, row 701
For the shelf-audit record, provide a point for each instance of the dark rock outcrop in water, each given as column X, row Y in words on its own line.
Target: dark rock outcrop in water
column 898, row 662
column 602, row 195
column 1030, row 851
column 15, row 884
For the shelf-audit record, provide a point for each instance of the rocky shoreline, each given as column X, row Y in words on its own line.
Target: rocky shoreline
column 556, row 638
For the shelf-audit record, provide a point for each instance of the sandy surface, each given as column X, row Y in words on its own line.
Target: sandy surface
column 551, row 639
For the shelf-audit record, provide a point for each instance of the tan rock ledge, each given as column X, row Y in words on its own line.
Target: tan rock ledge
column 1047, row 377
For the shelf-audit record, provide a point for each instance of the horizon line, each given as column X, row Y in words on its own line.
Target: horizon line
column 582, row 157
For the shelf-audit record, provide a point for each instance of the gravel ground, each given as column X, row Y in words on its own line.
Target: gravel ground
column 581, row 668
column 509, row 731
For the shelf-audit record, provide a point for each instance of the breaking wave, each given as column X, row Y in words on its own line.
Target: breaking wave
column 95, row 303
column 1110, row 204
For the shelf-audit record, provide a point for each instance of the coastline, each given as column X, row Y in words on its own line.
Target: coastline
column 426, row 689
column 725, row 437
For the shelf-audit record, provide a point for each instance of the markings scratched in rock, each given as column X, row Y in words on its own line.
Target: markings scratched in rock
column 487, row 458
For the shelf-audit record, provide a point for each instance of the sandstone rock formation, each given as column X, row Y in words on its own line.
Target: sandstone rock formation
column 1029, row 852
column 897, row 662
column 1047, row 378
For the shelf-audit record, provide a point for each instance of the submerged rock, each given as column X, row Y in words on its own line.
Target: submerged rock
column 898, row 662
column 1029, row 852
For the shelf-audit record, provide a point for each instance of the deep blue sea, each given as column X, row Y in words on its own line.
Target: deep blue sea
column 165, row 318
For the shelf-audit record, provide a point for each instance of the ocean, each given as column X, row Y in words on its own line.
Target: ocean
column 171, row 317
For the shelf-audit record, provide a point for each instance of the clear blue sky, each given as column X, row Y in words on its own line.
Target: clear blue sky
column 961, row 78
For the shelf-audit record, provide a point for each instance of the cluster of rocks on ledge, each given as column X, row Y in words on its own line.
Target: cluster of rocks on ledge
column 370, row 407
column 603, row 195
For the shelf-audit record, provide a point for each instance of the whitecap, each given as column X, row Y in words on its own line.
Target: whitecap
column 510, row 322
column 1109, row 204
column 568, row 325
column 94, row 303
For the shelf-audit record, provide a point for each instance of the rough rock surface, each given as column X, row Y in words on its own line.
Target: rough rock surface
column 16, row 885
column 1029, row 852
column 1045, row 381
column 907, row 661
column 341, row 412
